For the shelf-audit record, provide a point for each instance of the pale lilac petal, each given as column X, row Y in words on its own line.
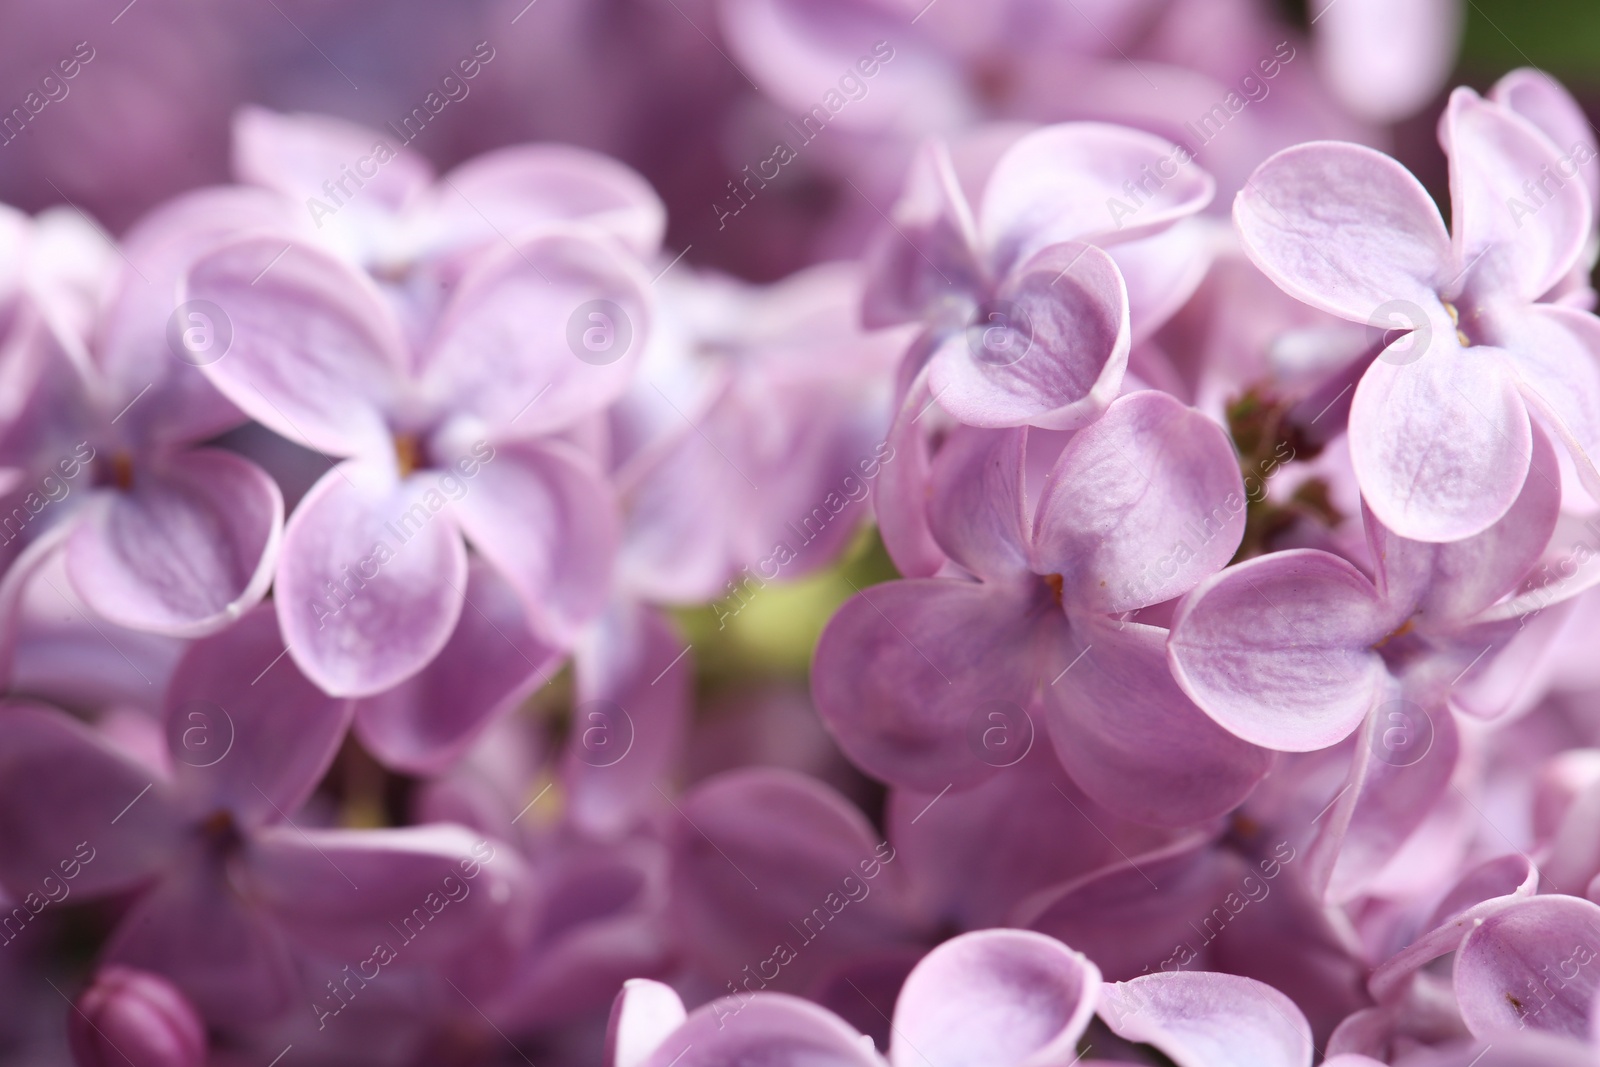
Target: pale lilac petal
column 1141, row 506
column 772, row 1029
column 246, row 730
column 1203, row 1019
column 1440, row 443
column 296, row 154
column 315, row 354
column 900, row 493
column 542, row 514
column 634, row 674
column 765, row 857
column 1057, row 363
column 1508, row 1050
column 1068, row 183
column 540, row 334
column 1278, row 649
column 1531, row 966
column 489, row 666
column 336, row 892
column 1386, row 62
column 926, row 266
column 904, row 669
column 1007, row 997
column 72, row 804
column 1543, row 101
column 977, row 508
column 1531, row 242
column 1405, row 757
column 501, row 194
column 1343, row 228
column 643, row 1015
column 1130, row 737
column 1162, row 272
column 370, row 583
column 194, row 929
column 1555, row 357
column 189, row 547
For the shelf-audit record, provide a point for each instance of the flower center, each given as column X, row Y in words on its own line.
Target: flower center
column 1455, row 320
column 408, row 453
column 1055, row 582
column 122, row 471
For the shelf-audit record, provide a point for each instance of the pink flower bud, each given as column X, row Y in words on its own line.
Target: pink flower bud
column 136, row 1017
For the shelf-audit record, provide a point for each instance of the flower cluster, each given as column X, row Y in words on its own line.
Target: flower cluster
column 1117, row 592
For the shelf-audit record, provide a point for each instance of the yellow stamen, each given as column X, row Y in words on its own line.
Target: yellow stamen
column 407, row 453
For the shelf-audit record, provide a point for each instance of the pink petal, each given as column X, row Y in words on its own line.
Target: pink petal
column 295, row 154
column 900, row 494
column 337, row 892
column 1068, row 183
column 72, row 805
column 644, row 1014
column 183, row 552
column 1440, row 443
column 489, row 666
column 1130, row 737
column 1543, row 101
column 1007, row 997
column 1385, row 62
column 977, row 507
column 501, row 194
column 248, row 733
column 1203, row 1019
column 772, row 1029
column 540, row 334
column 1555, row 358
column 370, row 583
column 1532, row 242
column 1531, row 965
column 1151, row 487
column 1343, row 228
column 546, row 518
column 632, row 706
column 316, row 354
column 1278, row 649
column 226, row 956
column 1049, row 351
column 905, row 670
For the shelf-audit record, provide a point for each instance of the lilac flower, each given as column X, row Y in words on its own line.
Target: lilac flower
column 1297, row 649
column 1005, row 997
column 1440, row 432
column 1138, row 508
column 165, row 534
column 230, row 890
column 441, row 441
